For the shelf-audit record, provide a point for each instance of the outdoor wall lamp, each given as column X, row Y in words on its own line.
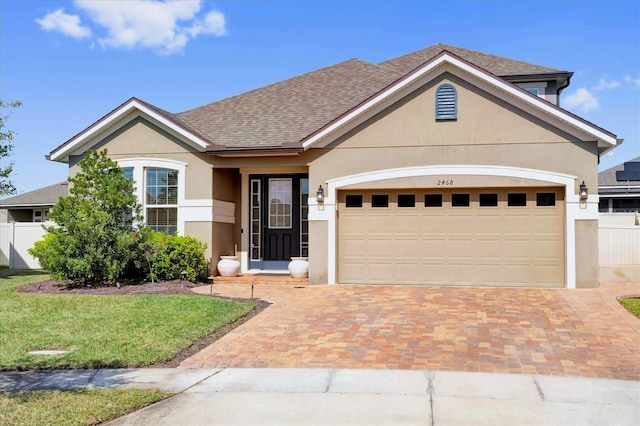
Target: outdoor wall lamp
column 320, row 194
column 584, row 191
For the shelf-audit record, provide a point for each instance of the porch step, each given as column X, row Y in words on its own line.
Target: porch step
column 261, row 279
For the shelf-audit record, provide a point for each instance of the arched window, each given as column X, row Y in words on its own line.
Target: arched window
column 446, row 103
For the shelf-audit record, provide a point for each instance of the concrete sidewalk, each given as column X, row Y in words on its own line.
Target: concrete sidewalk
column 236, row 396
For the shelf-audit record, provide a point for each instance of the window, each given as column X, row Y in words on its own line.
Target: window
column 280, row 203
column 603, row 205
column 304, row 217
column 626, row 205
column 256, row 219
column 162, row 193
column 517, row 200
column 460, row 200
column 353, row 201
column 40, row 215
column 433, row 200
column 446, row 103
column 128, row 172
column 488, row 200
column 380, row 200
column 406, row 200
column 545, row 199
column 536, row 88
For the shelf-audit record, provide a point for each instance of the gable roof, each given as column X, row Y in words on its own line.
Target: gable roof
column 46, row 196
column 506, row 91
column 496, row 65
column 292, row 114
column 122, row 115
column 284, row 113
column 608, row 177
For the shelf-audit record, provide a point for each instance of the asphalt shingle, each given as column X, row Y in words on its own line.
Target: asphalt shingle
column 497, row 65
column 286, row 112
column 44, row 196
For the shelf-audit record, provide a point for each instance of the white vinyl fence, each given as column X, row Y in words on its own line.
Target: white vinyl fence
column 619, row 245
column 15, row 240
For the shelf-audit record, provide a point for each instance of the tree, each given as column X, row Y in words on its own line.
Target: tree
column 6, row 147
column 94, row 239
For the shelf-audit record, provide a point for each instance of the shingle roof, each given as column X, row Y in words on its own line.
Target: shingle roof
column 44, row 196
column 286, row 112
column 497, row 65
column 608, row 177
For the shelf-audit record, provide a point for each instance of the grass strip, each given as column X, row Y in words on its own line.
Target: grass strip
column 102, row 331
column 632, row 305
column 80, row 407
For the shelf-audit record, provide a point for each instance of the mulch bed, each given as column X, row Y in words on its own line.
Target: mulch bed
column 161, row 287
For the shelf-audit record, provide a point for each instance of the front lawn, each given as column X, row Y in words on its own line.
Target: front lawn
column 102, row 331
column 632, row 305
column 81, row 407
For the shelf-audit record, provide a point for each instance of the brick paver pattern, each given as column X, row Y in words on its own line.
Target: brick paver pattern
column 563, row 332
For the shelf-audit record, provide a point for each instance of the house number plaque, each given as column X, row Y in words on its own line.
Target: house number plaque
column 445, row 182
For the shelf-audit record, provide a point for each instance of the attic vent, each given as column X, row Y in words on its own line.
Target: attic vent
column 446, row 103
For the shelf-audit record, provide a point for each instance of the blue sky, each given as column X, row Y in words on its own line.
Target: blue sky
column 71, row 62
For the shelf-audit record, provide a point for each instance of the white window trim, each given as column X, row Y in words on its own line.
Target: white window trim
column 188, row 210
column 540, row 85
column 574, row 209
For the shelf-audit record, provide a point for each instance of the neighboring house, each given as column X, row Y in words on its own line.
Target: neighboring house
column 444, row 166
column 619, row 188
column 32, row 206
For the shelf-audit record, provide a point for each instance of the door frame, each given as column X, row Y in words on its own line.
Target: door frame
column 259, row 216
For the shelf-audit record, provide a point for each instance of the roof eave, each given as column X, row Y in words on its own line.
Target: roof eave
column 256, row 152
column 606, row 140
column 62, row 152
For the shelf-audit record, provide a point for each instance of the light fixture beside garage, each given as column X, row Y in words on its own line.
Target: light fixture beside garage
column 584, row 191
column 320, row 194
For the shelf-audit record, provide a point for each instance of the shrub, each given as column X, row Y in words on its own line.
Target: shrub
column 93, row 239
column 164, row 257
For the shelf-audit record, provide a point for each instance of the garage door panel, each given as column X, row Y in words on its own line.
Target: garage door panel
column 496, row 245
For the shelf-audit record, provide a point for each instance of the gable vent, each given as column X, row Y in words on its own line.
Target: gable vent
column 446, row 103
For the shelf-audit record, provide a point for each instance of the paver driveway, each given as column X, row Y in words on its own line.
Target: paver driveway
column 582, row 332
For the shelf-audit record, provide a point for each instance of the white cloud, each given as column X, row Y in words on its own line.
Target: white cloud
column 166, row 26
column 582, row 99
column 635, row 82
column 603, row 84
column 64, row 23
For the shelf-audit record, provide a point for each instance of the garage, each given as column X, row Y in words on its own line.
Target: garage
column 455, row 236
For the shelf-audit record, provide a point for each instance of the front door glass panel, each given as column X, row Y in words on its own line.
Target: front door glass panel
column 280, row 200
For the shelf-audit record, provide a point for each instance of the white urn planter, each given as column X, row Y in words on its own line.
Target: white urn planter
column 229, row 266
column 299, row 267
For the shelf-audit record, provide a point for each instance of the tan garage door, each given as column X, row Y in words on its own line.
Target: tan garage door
column 492, row 237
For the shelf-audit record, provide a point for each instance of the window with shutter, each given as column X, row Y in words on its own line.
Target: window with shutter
column 446, row 103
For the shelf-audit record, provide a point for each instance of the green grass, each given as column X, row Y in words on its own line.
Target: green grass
column 83, row 407
column 102, row 331
column 632, row 305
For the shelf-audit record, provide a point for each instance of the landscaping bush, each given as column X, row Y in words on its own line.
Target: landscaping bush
column 168, row 255
column 92, row 240
column 98, row 236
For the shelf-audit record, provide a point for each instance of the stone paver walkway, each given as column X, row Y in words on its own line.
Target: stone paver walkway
column 560, row 332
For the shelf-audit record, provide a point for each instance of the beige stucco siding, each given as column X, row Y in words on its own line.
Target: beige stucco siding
column 488, row 131
column 587, row 259
column 142, row 139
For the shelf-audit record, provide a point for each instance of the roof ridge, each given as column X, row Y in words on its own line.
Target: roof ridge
column 424, row 54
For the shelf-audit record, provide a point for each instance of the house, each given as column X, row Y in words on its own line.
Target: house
column 619, row 188
column 444, row 166
column 32, row 206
